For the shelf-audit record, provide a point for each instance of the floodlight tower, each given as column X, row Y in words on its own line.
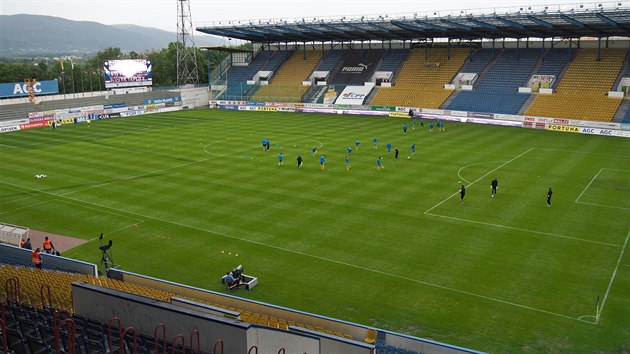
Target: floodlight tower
column 187, row 72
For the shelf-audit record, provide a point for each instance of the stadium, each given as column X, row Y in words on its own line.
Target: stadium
column 161, row 200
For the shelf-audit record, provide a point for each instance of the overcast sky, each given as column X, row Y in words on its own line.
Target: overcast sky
column 163, row 13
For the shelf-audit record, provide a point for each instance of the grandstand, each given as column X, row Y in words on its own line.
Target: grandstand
column 582, row 91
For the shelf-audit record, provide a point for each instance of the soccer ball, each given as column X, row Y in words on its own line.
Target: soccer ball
column 408, row 157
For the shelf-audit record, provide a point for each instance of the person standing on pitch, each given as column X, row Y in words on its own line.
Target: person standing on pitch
column 396, row 153
column 462, row 193
column 280, row 160
column 374, row 141
column 299, row 161
column 347, row 163
column 389, row 147
column 494, row 185
column 413, row 150
column 356, row 144
column 322, row 162
column 549, row 193
column 405, row 128
column 379, row 164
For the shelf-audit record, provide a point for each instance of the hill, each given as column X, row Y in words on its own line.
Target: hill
column 30, row 34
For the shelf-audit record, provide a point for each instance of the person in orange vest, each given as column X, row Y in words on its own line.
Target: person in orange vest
column 48, row 245
column 37, row 259
column 22, row 242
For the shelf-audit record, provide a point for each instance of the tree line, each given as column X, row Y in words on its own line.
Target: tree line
column 85, row 75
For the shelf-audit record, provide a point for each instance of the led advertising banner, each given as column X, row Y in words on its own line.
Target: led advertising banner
column 20, row 89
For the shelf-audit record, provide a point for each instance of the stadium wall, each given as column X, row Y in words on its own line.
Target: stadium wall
column 49, row 260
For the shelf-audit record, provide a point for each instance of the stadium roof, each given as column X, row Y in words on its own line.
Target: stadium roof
column 553, row 21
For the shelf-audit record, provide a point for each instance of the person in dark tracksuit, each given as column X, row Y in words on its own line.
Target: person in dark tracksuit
column 462, row 193
column 549, row 193
column 494, row 184
column 299, row 161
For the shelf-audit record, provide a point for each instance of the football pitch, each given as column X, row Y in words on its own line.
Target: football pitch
column 187, row 196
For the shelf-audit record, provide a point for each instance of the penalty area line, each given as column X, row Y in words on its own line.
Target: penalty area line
column 612, row 278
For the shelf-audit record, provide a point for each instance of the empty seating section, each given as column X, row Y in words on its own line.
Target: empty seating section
column 497, row 90
column 582, row 91
column 392, row 60
column 554, row 61
column 330, row 60
column 31, row 281
column 479, row 60
column 237, row 76
column 287, row 84
column 420, row 82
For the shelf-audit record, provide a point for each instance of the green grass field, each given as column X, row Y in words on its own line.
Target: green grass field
column 394, row 249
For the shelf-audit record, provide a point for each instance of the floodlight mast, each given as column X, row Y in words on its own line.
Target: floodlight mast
column 187, row 72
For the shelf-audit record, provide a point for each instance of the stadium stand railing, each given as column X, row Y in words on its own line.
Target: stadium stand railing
column 497, row 90
column 420, row 82
column 582, row 91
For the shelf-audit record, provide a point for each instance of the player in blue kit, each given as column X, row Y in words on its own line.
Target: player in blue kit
column 389, row 147
column 405, row 128
column 280, row 160
column 379, row 164
column 347, row 163
column 322, row 162
column 314, row 150
column 374, row 141
column 349, row 149
column 356, row 144
column 413, row 149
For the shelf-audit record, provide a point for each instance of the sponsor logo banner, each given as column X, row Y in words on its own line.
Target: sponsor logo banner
column 480, row 115
column 398, row 115
column 563, row 128
column 163, row 100
column 42, row 118
column 10, row 128
column 597, row 131
column 33, row 125
column 267, row 109
column 17, row 122
column 625, row 126
column 509, row 117
column 41, row 114
column 286, row 109
column 353, row 95
column 114, row 105
column 383, row 108
column 20, row 89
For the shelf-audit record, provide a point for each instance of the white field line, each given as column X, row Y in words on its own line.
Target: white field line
column 472, row 164
column 526, row 230
column 10, row 146
column 588, row 185
column 376, row 271
column 113, row 231
column 477, row 180
column 612, row 278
